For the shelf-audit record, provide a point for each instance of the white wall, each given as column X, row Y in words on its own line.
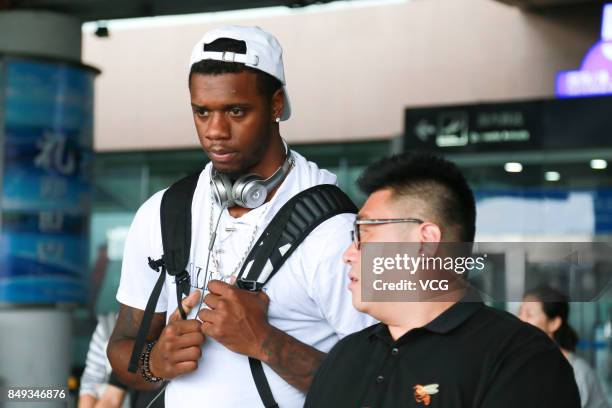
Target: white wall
column 350, row 72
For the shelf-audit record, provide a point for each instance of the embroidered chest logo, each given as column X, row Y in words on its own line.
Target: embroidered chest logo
column 423, row 393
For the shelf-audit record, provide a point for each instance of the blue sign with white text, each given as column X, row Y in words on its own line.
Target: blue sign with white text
column 46, row 181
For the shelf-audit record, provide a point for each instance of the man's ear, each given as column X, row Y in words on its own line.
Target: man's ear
column 430, row 236
column 278, row 103
column 430, row 232
column 554, row 324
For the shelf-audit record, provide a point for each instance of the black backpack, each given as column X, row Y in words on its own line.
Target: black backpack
column 290, row 226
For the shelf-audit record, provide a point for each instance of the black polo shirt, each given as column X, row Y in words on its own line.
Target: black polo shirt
column 474, row 356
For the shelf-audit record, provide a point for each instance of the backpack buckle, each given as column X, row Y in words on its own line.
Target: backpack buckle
column 252, row 286
column 156, row 265
column 183, row 283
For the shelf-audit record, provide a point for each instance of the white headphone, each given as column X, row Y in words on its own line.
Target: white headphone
column 250, row 190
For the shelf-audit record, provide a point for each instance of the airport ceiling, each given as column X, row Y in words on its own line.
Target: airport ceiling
column 539, row 4
column 93, row 10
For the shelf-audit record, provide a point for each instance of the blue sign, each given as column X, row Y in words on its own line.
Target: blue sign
column 46, row 182
column 595, row 75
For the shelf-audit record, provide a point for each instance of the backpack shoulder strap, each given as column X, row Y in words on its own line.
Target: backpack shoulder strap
column 175, row 213
column 289, row 227
column 175, row 217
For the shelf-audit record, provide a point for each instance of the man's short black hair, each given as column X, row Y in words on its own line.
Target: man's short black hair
column 266, row 83
column 432, row 179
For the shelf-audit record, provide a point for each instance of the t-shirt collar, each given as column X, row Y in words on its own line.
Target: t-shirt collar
column 266, row 211
column 449, row 320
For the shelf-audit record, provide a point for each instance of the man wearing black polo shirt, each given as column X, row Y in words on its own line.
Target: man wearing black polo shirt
column 443, row 354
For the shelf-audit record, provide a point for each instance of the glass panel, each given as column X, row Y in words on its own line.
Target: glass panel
column 556, row 196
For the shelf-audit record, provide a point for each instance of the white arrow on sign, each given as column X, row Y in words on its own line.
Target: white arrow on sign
column 424, row 129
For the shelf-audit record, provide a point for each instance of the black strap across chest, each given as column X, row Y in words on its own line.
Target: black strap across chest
column 296, row 219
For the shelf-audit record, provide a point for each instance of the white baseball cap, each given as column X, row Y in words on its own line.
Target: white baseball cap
column 263, row 52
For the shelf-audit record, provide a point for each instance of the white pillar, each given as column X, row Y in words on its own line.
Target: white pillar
column 40, row 34
column 36, row 346
column 35, row 339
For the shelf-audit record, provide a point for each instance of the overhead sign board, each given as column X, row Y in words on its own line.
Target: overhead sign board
column 504, row 126
column 595, row 74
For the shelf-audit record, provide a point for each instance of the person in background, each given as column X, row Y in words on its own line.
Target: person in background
column 97, row 277
column 99, row 387
column 548, row 310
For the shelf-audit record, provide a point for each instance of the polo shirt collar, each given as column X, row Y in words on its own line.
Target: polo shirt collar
column 453, row 317
column 449, row 320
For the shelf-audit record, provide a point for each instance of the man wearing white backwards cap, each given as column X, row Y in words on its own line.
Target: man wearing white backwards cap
column 238, row 97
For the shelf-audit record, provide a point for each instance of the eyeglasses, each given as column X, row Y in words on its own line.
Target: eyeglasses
column 356, row 234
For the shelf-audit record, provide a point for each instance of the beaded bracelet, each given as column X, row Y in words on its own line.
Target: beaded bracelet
column 146, row 369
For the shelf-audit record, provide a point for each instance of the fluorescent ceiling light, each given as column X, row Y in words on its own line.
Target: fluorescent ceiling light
column 552, row 176
column 513, row 167
column 598, row 164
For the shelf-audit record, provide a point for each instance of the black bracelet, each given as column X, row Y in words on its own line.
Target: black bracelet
column 146, row 369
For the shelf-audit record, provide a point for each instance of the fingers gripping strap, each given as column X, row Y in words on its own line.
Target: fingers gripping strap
column 175, row 218
column 183, row 286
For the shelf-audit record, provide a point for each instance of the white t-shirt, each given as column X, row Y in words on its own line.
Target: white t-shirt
column 309, row 299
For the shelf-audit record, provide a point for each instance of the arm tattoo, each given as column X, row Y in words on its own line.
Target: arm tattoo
column 128, row 324
column 121, row 343
column 293, row 360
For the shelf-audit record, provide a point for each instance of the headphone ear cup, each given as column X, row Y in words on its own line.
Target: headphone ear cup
column 249, row 191
column 222, row 189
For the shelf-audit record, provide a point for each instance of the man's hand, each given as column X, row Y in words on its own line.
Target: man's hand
column 237, row 318
column 178, row 349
